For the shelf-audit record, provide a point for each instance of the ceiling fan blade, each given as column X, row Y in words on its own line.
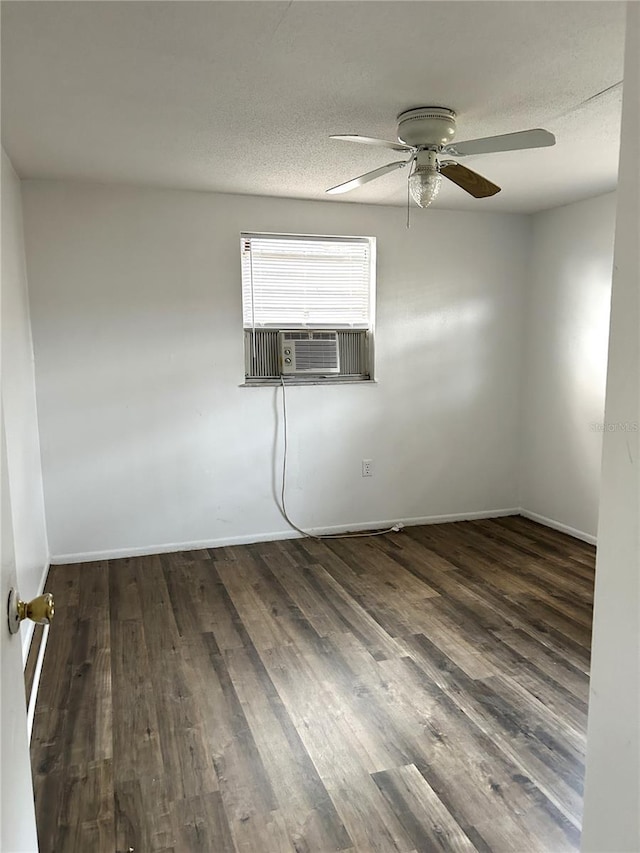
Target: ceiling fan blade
column 469, row 181
column 537, row 138
column 370, row 140
column 368, row 176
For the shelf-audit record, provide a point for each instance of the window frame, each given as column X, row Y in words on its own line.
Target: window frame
column 367, row 331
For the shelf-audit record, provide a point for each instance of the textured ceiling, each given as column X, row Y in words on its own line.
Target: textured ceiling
column 241, row 96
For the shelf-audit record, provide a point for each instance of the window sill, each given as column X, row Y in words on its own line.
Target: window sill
column 275, row 383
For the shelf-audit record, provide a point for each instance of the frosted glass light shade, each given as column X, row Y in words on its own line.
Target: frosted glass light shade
column 424, row 185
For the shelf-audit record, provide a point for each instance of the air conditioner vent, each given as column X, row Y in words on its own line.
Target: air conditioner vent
column 263, row 353
column 309, row 352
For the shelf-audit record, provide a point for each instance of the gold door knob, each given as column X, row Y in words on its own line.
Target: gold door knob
column 40, row 610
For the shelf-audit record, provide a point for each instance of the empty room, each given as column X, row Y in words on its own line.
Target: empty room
column 320, row 427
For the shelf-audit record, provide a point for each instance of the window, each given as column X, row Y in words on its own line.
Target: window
column 307, row 283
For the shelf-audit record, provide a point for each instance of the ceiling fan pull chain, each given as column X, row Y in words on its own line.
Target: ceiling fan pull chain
column 410, row 163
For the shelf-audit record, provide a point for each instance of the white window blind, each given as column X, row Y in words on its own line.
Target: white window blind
column 290, row 281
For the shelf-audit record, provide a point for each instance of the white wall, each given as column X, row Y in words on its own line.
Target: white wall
column 148, row 439
column 612, row 793
column 563, row 383
column 19, row 401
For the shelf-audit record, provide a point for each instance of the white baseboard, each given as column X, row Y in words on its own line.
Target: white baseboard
column 28, row 626
column 252, row 538
column 249, row 539
column 557, row 525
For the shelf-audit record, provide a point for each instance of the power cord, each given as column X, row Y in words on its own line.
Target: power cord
column 283, row 508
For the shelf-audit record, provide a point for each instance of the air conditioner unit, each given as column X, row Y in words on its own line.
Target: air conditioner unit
column 309, row 352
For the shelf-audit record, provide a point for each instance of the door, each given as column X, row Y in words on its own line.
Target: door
column 17, row 812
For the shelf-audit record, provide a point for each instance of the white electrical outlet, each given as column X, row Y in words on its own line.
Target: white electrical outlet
column 367, row 467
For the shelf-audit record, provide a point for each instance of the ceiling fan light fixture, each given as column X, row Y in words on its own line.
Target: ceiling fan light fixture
column 424, row 184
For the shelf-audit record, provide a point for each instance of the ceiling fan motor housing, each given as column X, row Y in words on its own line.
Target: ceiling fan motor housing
column 427, row 126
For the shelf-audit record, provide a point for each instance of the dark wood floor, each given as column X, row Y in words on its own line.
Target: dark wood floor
column 415, row 692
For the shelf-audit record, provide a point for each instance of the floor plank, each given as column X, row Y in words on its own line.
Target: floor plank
column 420, row 811
column 425, row 691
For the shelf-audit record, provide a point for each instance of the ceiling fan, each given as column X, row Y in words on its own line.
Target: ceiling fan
column 425, row 133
